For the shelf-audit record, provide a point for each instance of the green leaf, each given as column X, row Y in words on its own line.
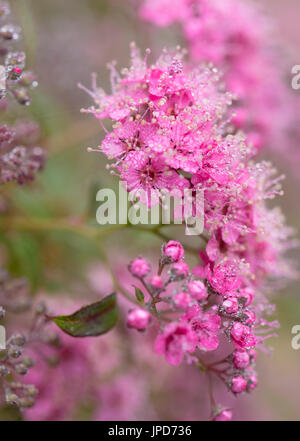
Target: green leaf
column 90, row 321
column 139, row 295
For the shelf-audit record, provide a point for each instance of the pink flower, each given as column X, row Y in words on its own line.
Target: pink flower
column 176, row 340
column 225, row 277
column 174, row 251
column 242, row 336
column 205, row 325
column 138, row 319
column 146, row 177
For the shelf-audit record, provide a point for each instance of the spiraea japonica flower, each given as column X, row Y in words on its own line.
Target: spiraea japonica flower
column 170, row 130
column 167, row 122
column 239, row 39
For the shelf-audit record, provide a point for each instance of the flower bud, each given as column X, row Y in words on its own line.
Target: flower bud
column 156, row 282
column 11, row 398
column 138, row 319
column 248, row 295
column 182, row 300
column 197, row 290
column 252, row 382
column 231, row 305
column 250, row 317
column 31, row 391
column 9, row 32
column 180, row 270
column 238, row 384
column 26, row 402
column 241, row 359
column 173, row 251
column 139, row 267
column 28, row 362
column 223, row 415
column 14, row 352
column 22, row 96
column 18, row 340
column 253, row 355
column 21, row 369
column 4, row 371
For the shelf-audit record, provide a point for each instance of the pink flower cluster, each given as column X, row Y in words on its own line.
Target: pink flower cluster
column 167, row 122
column 237, row 38
column 196, row 315
column 170, row 130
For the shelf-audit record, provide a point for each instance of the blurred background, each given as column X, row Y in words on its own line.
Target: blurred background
column 65, row 42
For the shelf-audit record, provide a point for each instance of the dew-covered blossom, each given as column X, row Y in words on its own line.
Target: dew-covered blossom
column 240, row 40
column 178, row 117
column 167, row 122
column 178, row 339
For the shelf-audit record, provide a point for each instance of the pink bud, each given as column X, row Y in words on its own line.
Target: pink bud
column 180, row 269
column 250, row 317
column 173, row 250
column 138, row 319
column 223, row 415
column 238, row 384
column 139, row 267
column 242, row 336
column 197, row 290
column 248, row 295
column 252, row 382
column 253, row 354
column 231, row 305
column 241, row 359
column 182, row 300
column 156, row 282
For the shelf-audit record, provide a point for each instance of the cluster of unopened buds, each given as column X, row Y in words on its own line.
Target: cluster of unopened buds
column 14, row 79
column 193, row 317
column 18, row 357
column 20, row 157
